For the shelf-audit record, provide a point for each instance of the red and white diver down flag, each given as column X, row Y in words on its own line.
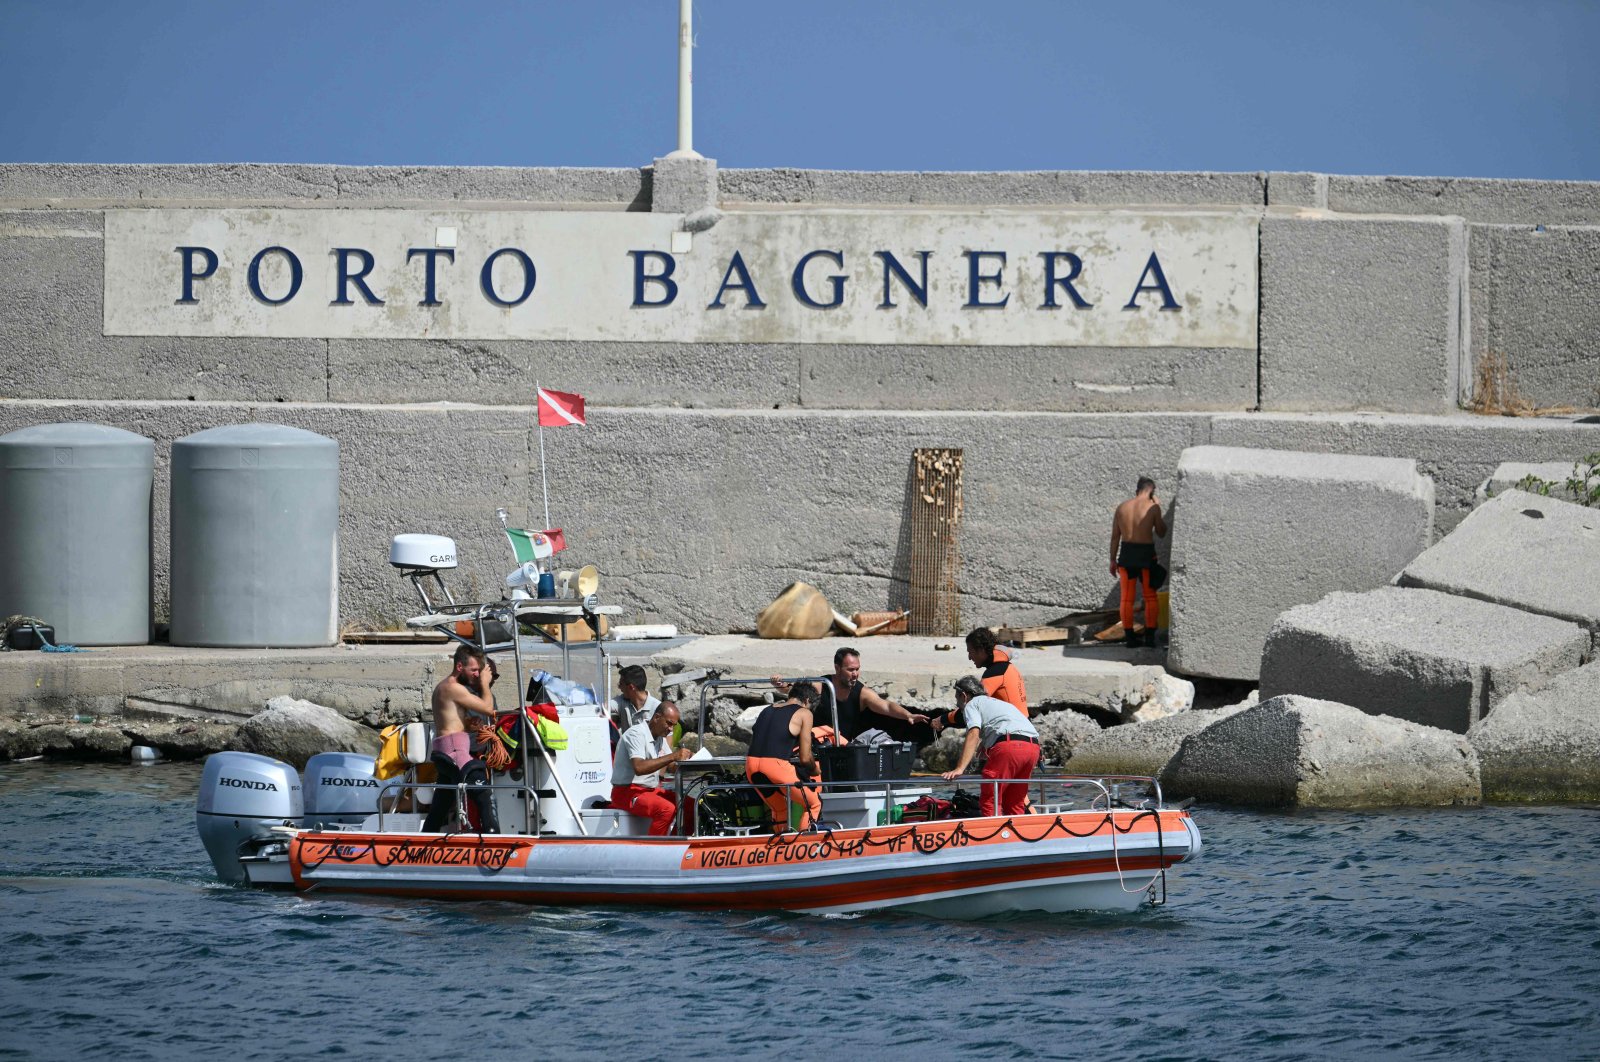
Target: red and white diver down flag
column 557, row 409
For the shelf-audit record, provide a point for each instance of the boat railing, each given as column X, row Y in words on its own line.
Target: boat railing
column 825, row 714
column 530, row 807
column 741, row 810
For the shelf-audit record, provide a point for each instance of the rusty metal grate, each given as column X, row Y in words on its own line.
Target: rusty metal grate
column 935, row 571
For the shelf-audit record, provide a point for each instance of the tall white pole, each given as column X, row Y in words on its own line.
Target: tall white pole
column 538, row 406
column 686, row 80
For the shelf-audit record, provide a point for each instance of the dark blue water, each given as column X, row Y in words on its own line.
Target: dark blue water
column 1410, row 934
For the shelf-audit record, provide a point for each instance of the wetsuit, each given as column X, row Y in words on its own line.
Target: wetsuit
column 1001, row 679
column 453, row 763
column 1134, row 561
column 768, row 766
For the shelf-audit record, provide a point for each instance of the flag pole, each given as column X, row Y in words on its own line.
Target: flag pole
column 544, row 485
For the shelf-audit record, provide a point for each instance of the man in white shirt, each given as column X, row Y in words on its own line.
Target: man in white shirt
column 633, row 703
column 636, row 770
column 1009, row 740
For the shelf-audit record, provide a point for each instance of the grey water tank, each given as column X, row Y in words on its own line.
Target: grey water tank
column 75, row 531
column 255, row 533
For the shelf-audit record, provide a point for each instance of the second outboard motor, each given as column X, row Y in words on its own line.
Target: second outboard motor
column 340, row 789
column 242, row 796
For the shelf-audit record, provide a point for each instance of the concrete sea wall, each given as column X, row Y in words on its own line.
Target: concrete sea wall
column 714, row 472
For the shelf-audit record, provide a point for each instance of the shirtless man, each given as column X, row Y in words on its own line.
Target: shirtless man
column 857, row 705
column 464, row 693
column 1133, row 527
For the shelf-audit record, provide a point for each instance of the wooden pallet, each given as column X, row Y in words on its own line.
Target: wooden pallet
column 1072, row 629
column 1025, row 637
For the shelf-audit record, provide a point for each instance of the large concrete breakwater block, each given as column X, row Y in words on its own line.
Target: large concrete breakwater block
column 1509, row 475
column 1361, row 313
column 1532, row 302
column 1458, row 451
column 1545, row 746
column 1257, row 531
column 1524, row 550
column 1143, row 748
column 1432, row 658
column 1302, row 752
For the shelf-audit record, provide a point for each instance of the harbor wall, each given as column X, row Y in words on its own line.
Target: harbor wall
column 712, row 473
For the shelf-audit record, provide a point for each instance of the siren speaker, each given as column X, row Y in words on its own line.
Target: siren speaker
column 580, row 583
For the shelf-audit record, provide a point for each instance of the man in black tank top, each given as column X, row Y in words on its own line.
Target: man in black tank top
column 861, row 709
column 781, row 731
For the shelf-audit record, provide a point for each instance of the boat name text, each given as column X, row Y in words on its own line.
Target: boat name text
column 806, row 850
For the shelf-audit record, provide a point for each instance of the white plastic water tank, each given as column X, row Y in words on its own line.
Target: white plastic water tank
column 255, row 538
column 75, row 531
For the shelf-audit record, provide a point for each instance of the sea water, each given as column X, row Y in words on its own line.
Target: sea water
column 1451, row 933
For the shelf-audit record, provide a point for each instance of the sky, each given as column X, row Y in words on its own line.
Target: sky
column 1468, row 88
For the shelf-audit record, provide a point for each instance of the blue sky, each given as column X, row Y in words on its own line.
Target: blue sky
column 1468, row 88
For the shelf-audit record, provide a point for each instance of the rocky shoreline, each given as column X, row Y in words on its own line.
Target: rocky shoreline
column 1287, row 751
column 1469, row 678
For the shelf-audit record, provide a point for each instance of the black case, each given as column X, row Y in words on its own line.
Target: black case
column 862, row 763
column 27, row 637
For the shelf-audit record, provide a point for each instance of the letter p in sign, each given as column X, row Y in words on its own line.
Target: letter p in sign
column 190, row 274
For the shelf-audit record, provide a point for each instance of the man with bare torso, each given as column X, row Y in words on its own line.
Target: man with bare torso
column 466, row 692
column 1134, row 528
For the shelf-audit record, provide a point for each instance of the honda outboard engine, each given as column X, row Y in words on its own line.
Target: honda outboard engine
column 242, row 796
column 340, row 789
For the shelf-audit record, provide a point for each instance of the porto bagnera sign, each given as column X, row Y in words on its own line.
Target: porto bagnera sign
column 976, row 277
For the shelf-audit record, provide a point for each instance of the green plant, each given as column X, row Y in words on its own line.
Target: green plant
column 1583, row 486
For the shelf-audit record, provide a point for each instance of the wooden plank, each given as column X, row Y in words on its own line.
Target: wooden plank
column 394, row 637
column 1089, row 618
column 1028, row 636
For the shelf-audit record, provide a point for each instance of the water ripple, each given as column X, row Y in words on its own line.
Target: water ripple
column 1418, row 934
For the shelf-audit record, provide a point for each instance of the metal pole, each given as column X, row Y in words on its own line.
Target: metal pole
column 685, row 80
column 538, row 417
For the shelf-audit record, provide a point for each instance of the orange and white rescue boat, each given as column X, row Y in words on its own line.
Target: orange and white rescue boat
column 1088, row 843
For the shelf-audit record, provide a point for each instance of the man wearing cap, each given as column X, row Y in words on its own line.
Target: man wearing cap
column 1010, row 743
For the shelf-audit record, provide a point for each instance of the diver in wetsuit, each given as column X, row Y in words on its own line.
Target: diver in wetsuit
column 1134, row 527
column 782, row 730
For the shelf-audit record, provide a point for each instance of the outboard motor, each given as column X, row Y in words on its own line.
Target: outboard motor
column 340, row 789
column 242, row 796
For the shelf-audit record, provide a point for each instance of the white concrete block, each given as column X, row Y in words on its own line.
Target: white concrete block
column 1257, row 531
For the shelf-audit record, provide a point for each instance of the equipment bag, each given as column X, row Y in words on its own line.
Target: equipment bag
column 926, row 809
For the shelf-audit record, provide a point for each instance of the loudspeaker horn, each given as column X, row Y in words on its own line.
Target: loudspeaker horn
column 580, row 583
